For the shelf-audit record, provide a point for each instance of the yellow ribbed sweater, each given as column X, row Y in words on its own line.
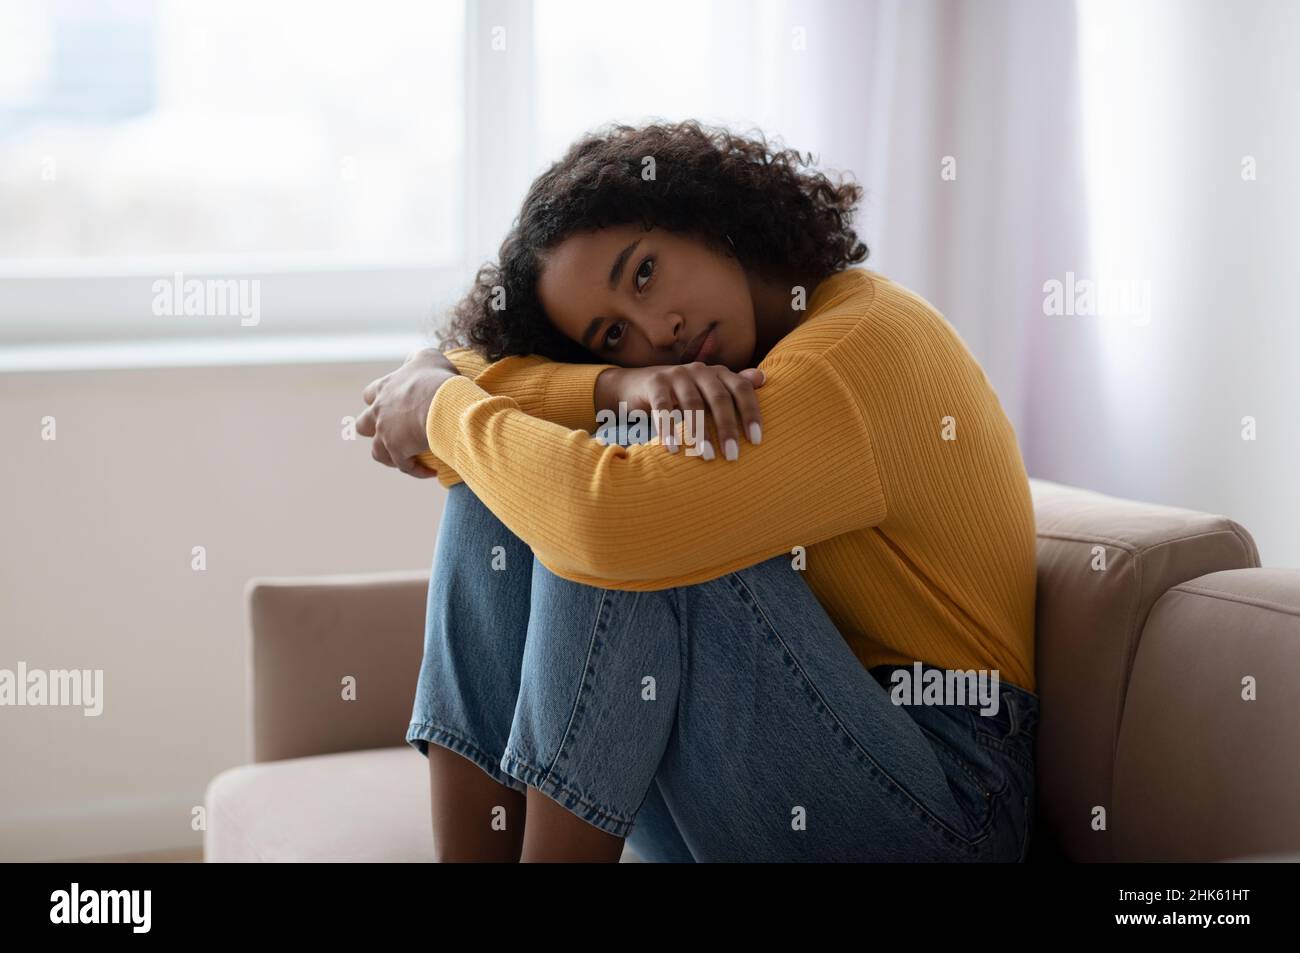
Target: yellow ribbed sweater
column 886, row 454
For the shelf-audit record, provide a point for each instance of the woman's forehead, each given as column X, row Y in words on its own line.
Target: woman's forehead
column 587, row 263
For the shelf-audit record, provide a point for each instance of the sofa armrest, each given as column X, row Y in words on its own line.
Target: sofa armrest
column 308, row 635
column 1203, row 771
column 1103, row 563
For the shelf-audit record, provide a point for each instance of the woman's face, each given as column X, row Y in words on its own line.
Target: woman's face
column 640, row 298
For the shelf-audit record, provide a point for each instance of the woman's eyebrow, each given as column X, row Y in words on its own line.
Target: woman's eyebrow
column 591, row 329
column 616, row 273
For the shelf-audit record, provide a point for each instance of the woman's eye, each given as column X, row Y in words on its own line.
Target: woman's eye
column 643, row 273
column 611, row 339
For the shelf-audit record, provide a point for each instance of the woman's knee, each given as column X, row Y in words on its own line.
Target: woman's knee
column 571, row 625
column 598, row 690
column 468, row 523
column 481, row 571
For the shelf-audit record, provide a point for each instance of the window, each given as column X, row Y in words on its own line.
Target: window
column 236, row 139
column 357, row 161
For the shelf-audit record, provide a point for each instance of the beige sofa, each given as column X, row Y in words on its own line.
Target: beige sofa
column 1141, row 667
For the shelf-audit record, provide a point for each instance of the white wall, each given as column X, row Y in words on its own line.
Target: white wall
column 98, row 528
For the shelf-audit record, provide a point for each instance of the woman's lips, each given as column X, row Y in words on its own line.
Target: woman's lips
column 705, row 349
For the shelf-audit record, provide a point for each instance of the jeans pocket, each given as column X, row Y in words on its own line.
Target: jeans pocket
column 1013, row 730
column 977, row 784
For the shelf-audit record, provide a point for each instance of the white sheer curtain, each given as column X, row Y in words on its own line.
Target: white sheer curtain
column 1107, row 141
column 1191, row 113
column 964, row 122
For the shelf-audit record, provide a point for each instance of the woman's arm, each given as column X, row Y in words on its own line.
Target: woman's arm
column 551, row 390
column 561, row 393
column 574, row 395
column 641, row 518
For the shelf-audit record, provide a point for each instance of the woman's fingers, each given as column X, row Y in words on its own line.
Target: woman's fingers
column 735, row 406
column 660, row 396
column 413, row 467
column 366, row 421
column 692, row 404
column 372, row 389
column 722, row 407
column 380, row 452
column 742, row 391
column 681, row 397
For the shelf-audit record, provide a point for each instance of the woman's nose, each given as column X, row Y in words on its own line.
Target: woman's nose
column 662, row 330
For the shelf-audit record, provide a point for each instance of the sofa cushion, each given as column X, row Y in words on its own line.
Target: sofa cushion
column 367, row 806
column 1204, row 771
column 352, row 806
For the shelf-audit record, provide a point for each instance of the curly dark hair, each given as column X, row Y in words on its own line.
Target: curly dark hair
column 781, row 218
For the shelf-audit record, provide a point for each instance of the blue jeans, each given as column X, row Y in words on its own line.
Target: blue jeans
column 724, row 721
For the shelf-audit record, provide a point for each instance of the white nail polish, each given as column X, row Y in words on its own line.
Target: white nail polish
column 706, row 450
column 730, row 450
column 755, row 433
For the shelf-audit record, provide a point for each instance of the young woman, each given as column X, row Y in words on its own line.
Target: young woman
column 725, row 649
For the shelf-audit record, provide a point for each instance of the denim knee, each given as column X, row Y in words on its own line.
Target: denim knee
column 476, row 620
column 597, row 697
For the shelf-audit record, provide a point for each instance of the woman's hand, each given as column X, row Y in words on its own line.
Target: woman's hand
column 727, row 396
column 399, row 407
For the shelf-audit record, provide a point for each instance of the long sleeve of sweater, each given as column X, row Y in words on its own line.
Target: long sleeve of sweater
column 554, row 391
column 642, row 518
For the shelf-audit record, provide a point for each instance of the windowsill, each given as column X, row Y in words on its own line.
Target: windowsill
column 208, row 352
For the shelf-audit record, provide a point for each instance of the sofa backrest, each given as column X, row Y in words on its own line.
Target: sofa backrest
column 1103, row 563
